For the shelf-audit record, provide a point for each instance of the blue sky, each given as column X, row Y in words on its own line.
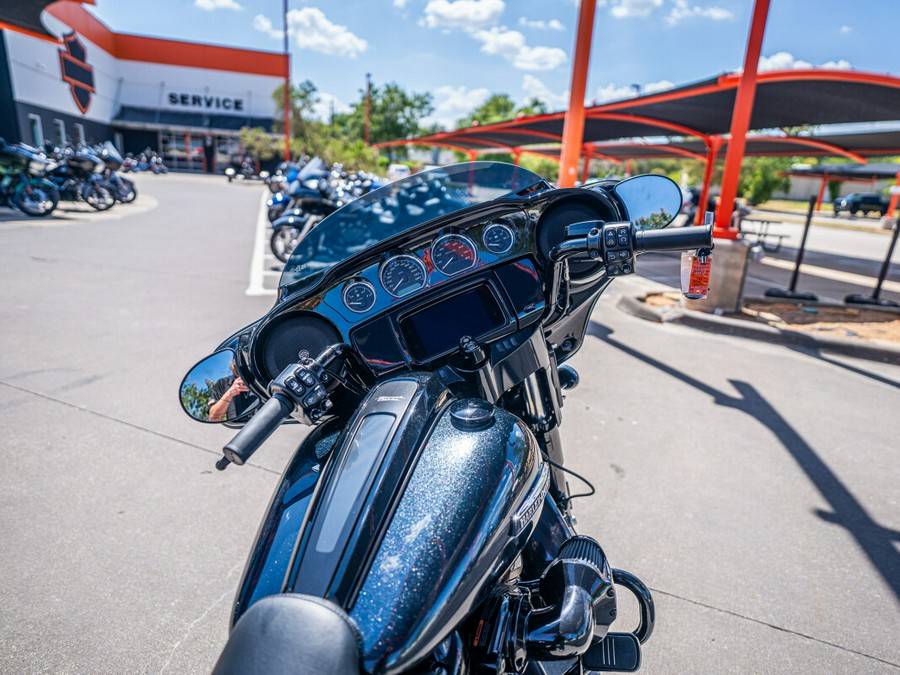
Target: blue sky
column 461, row 51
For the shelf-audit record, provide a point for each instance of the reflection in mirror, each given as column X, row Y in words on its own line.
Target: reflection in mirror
column 652, row 201
column 214, row 392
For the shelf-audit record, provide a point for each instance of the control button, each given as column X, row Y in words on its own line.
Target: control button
column 623, row 240
column 622, row 232
column 307, row 378
column 612, row 256
column 623, row 255
column 613, row 270
column 626, row 269
column 310, row 401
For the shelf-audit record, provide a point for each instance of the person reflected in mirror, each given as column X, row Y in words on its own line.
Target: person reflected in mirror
column 230, row 397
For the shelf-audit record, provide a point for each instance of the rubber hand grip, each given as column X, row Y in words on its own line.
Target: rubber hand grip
column 262, row 425
column 677, row 239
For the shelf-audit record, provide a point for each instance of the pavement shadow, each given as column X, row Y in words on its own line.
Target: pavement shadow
column 815, row 352
column 876, row 541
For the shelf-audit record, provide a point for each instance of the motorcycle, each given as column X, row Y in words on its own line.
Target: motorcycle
column 122, row 188
column 78, row 175
column 22, row 184
column 425, row 524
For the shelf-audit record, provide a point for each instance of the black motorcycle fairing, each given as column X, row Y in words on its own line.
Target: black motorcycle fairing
column 290, row 633
column 269, row 560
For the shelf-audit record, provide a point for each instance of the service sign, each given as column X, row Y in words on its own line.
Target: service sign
column 205, row 102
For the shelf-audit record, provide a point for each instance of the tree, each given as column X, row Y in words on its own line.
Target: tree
column 393, row 114
column 498, row 108
column 195, row 399
column 534, row 106
column 761, row 177
column 303, row 99
column 259, row 144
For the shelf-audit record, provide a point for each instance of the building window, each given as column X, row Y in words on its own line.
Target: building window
column 37, row 131
column 60, row 127
column 79, row 133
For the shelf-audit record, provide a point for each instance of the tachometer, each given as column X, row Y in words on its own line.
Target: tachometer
column 359, row 296
column 498, row 238
column 403, row 274
column 453, row 253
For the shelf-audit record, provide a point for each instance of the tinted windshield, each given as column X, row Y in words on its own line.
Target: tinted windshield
column 397, row 207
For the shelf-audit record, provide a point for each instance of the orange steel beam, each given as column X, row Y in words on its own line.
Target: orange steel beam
column 821, row 192
column 586, row 171
column 740, row 122
column 894, row 197
column 650, row 121
column 813, row 143
column 287, row 86
column 712, row 149
column 573, row 127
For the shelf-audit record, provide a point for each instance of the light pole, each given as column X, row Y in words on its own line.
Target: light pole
column 368, row 106
column 287, row 88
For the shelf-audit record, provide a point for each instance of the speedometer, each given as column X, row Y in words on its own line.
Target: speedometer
column 403, row 274
column 453, row 253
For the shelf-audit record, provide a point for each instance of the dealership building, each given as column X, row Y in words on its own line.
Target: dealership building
column 66, row 77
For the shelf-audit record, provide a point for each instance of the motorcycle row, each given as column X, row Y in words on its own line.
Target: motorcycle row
column 303, row 194
column 35, row 181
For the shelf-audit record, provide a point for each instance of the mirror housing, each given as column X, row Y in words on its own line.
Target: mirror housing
column 213, row 391
column 652, row 200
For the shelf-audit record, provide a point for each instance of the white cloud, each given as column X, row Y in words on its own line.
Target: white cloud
column 787, row 61
column 452, row 103
column 534, row 88
column 211, row 5
column 623, row 9
column 682, row 10
column 552, row 24
column 263, row 25
column 322, row 108
column 467, row 15
column 846, row 29
column 312, row 30
column 612, row 92
column 400, row 4
column 510, row 44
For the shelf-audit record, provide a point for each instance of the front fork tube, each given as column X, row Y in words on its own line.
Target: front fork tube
column 543, row 409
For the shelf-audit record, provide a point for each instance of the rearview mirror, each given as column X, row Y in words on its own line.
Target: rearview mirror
column 652, row 201
column 213, row 391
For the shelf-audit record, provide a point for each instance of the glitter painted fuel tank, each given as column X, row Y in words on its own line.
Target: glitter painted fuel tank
column 419, row 509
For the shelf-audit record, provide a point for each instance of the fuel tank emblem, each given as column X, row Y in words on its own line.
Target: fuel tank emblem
column 532, row 502
column 382, row 399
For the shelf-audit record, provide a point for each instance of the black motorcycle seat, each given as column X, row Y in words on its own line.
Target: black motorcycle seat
column 292, row 633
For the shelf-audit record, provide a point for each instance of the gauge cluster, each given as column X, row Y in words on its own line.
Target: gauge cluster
column 452, row 253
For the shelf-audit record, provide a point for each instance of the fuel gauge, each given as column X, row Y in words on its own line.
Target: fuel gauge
column 359, row 296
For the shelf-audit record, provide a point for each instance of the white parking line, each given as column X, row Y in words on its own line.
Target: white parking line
column 260, row 244
column 834, row 275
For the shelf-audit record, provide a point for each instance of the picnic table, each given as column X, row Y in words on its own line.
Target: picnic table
column 759, row 229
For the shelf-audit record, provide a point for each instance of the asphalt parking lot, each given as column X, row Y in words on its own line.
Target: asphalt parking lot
column 752, row 486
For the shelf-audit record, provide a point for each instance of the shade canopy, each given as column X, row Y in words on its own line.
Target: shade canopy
column 786, row 98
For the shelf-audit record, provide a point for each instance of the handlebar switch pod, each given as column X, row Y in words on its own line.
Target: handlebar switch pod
column 617, row 241
column 308, row 384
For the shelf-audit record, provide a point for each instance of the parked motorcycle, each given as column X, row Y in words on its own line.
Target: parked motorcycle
column 78, row 175
column 425, row 524
column 122, row 189
column 22, row 184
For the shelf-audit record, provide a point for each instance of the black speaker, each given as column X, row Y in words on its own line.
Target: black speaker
column 292, row 337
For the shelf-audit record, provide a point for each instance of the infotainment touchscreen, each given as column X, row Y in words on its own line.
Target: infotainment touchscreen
column 438, row 328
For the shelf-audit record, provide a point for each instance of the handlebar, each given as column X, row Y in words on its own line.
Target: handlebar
column 679, row 239
column 262, row 425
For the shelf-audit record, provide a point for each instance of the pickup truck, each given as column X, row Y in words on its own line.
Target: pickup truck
column 865, row 202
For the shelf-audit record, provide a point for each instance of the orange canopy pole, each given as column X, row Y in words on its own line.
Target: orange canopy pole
column 894, row 197
column 740, row 123
column 573, row 127
column 586, row 171
column 821, row 192
column 713, row 143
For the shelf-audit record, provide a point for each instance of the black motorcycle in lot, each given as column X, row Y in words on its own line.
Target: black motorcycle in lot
column 121, row 188
column 22, row 184
column 78, row 175
column 425, row 524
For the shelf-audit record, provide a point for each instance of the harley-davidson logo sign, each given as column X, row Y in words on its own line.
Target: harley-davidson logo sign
column 76, row 71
